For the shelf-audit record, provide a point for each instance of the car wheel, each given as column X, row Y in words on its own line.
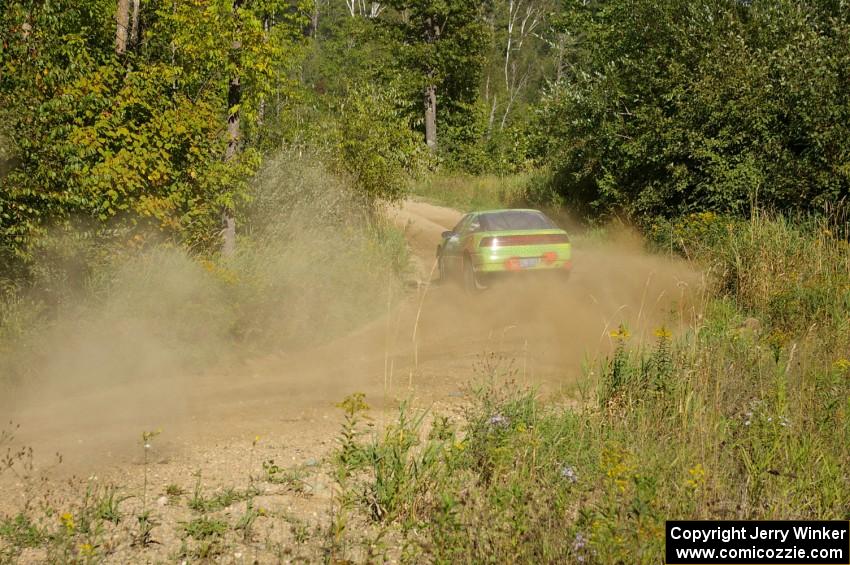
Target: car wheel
column 441, row 268
column 471, row 281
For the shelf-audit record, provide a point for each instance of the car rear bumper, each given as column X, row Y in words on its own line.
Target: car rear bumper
column 513, row 263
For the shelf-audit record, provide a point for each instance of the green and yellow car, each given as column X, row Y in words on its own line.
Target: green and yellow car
column 492, row 243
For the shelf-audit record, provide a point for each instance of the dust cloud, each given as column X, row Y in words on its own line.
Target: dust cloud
column 167, row 360
column 549, row 328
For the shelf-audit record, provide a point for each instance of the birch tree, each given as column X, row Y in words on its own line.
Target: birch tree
column 364, row 8
column 122, row 25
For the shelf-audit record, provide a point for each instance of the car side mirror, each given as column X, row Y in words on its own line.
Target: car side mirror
column 449, row 234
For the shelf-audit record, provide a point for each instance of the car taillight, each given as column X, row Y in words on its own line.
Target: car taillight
column 488, row 242
column 550, row 257
column 512, row 264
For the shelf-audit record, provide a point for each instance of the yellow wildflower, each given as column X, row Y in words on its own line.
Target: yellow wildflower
column 697, row 476
column 663, row 333
column 621, row 334
column 68, row 521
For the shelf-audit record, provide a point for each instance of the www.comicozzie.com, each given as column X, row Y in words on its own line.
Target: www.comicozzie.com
column 764, row 542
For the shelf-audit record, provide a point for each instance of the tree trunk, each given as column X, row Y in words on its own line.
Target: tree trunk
column 228, row 233
column 234, row 97
column 432, row 36
column 122, row 23
column 134, row 27
column 431, row 116
column 314, row 20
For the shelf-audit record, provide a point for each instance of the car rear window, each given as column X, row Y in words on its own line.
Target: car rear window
column 515, row 220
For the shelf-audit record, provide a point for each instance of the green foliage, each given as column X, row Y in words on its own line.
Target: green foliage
column 21, row 532
column 442, row 44
column 403, row 468
column 135, row 138
column 227, row 497
column 374, row 143
column 676, row 107
column 277, row 475
column 203, row 528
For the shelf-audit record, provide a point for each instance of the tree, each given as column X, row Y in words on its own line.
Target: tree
column 677, row 107
column 523, row 19
column 138, row 138
column 374, row 143
column 441, row 46
column 234, row 96
column 122, row 26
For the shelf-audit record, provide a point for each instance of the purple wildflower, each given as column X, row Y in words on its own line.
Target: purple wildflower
column 568, row 472
column 497, row 420
column 579, row 542
column 580, row 547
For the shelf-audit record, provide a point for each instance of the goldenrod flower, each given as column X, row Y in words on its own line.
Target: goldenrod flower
column 697, row 476
column 68, row 521
column 621, row 334
column 663, row 333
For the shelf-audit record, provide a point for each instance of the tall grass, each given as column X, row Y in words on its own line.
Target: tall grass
column 468, row 192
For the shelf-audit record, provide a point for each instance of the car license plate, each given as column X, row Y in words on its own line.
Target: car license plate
column 528, row 262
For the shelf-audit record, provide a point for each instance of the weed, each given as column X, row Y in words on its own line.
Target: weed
column 348, row 459
column 300, row 531
column 143, row 534
column 107, row 506
column 20, row 531
column 203, row 528
column 245, row 524
column 293, row 479
column 227, row 497
column 147, row 438
column 173, row 491
column 401, row 466
column 350, row 454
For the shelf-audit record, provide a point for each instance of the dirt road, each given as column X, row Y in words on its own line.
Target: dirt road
column 423, row 348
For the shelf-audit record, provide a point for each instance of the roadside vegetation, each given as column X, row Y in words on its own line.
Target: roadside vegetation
column 472, row 192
